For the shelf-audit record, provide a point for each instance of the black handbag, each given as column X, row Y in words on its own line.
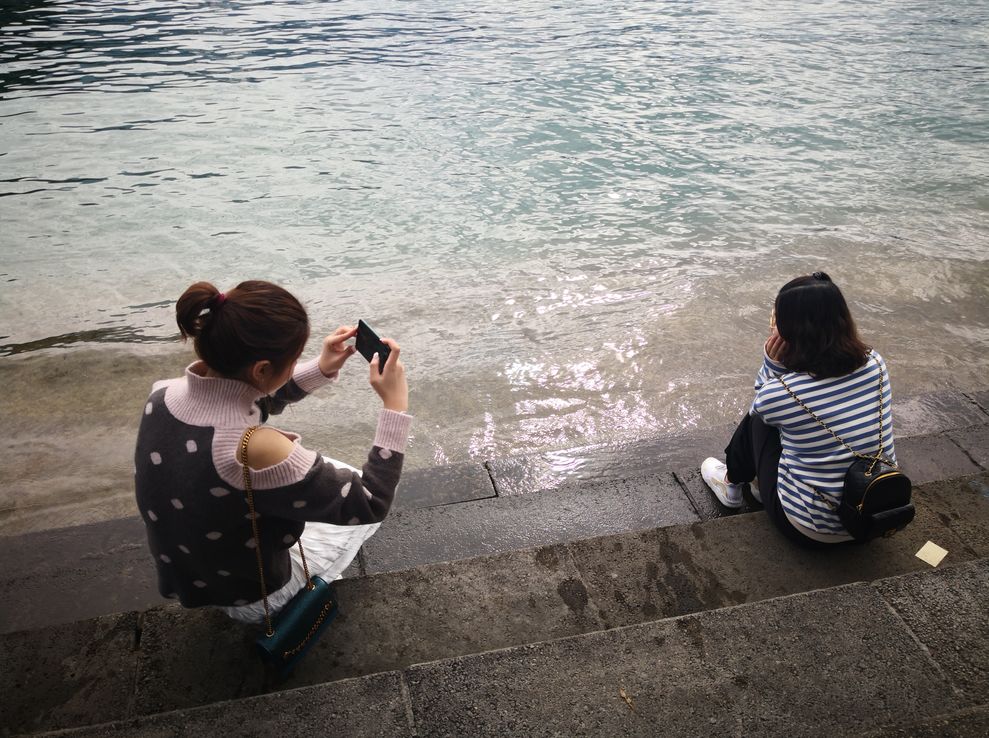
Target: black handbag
column 875, row 498
column 299, row 624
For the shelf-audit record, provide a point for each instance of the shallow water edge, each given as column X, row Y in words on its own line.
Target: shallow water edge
column 71, row 418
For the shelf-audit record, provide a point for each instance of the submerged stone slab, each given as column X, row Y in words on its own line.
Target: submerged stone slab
column 935, row 412
column 68, row 675
column 520, row 475
column 925, row 414
column 371, row 707
column 931, row 458
column 414, row 537
column 442, row 485
column 948, row 610
column 69, row 574
column 666, row 572
column 44, row 552
column 773, row 669
column 390, row 621
column 975, row 442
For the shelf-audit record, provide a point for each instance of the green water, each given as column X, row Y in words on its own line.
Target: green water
column 573, row 216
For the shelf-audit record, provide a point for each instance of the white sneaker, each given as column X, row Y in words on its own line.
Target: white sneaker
column 754, row 489
column 714, row 473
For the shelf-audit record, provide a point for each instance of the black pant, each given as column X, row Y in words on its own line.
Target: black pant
column 754, row 451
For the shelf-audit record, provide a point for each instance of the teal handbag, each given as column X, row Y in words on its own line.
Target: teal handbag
column 298, row 626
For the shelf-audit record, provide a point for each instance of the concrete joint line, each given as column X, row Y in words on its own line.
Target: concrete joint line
column 971, row 398
column 683, row 488
column 969, row 456
column 407, row 702
column 494, row 484
column 920, row 644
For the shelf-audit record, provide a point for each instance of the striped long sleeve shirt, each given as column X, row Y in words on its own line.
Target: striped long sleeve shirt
column 813, row 463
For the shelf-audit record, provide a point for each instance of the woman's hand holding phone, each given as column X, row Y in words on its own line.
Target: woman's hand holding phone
column 389, row 382
column 335, row 353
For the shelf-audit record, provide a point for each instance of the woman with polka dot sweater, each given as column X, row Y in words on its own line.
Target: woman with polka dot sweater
column 189, row 479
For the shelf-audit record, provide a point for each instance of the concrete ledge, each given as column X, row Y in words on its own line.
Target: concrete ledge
column 974, row 441
column 65, row 676
column 72, row 573
column 929, row 458
column 948, row 611
column 674, row 571
column 199, row 657
column 962, row 506
column 371, row 707
column 452, row 532
column 185, row 658
column 774, row 668
column 971, row 723
column 75, row 573
column 936, row 412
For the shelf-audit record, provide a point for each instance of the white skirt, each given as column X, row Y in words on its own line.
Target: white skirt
column 329, row 551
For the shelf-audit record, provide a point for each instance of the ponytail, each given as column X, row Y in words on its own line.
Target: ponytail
column 256, row 320
column 189, row 310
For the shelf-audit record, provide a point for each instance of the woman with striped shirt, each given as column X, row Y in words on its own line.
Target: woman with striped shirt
column 814, row 350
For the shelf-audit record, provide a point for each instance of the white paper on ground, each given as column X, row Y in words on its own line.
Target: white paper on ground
column 932, row 553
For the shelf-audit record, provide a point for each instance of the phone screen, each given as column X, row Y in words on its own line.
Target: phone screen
column 368, row 344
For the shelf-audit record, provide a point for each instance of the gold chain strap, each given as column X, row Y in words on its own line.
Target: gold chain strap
column 254, row 528
column 874, row 459
column 327, row 608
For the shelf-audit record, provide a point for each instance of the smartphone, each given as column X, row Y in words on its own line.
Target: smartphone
column 368, row 344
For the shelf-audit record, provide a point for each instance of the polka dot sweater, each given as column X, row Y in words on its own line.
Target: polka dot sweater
column 190, row 488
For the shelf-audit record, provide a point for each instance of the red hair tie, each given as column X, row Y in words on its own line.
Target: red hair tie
column 219, row 299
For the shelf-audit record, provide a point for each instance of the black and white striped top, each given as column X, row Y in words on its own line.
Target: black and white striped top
column 812, row 459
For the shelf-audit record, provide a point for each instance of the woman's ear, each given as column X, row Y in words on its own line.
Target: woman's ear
column 260, row 373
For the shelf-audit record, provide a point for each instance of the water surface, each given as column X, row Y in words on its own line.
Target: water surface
column 574, row 216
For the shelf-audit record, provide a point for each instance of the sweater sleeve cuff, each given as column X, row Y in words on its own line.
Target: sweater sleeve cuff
column 772, row 365
column 393, row 431
column 308, row 376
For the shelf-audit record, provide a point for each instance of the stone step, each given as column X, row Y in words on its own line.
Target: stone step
column 597, row 491
column 167, row 658
column 466, row 510
column 900, row 656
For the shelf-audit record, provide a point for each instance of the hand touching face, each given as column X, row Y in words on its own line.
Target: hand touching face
column 775, row 345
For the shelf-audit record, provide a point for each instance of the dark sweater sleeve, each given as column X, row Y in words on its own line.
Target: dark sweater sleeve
column 330, row 494
column 338, row 495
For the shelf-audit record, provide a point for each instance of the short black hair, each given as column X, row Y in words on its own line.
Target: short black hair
column 813, row 319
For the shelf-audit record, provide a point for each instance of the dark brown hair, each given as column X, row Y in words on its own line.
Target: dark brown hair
column 255, row 320
column 813, row 318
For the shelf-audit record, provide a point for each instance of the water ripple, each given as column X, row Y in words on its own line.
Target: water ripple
column 573, row 213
